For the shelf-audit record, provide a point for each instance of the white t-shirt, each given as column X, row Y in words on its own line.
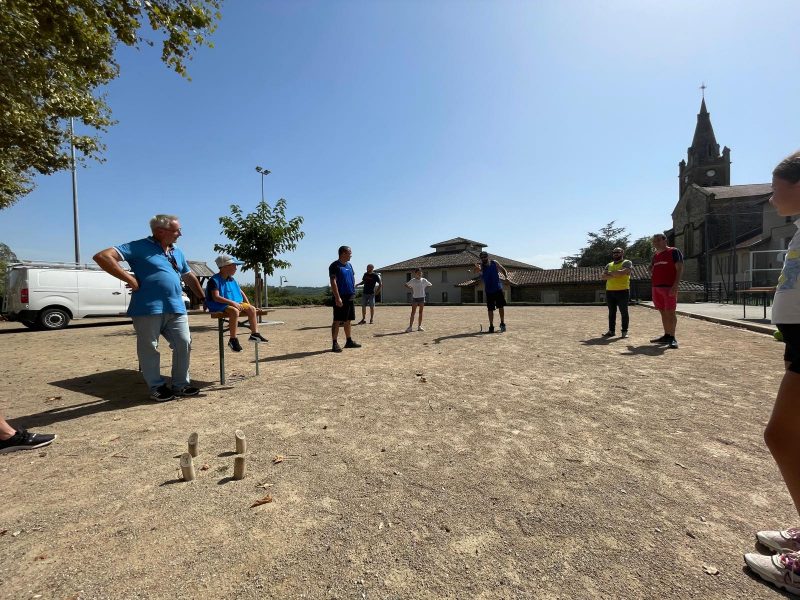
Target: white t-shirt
column 786, row 306
column 418, row 287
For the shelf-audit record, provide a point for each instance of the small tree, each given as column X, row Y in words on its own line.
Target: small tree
column 6, row 257
column 641, row 251
column 600, row 245
column 259, row 237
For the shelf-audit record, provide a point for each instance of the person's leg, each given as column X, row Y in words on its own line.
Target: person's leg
column 502, row 312
column 6, row 430
column 419, row 319
column 335, row 331
column 347, row 328
column 611, row 301
column 176, row 331
column 252, row 318
column 12, row 439
column 363, row 310
column 623, row 309
column 413, row 312
column 670, row 322
column 148, row 330
column 371, row 312
column 664, row 321
column 491, row 317
column 782, row 432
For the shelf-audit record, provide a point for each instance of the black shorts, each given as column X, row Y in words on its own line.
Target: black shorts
column 495, row 299
column 345, row 312
column 791, row 337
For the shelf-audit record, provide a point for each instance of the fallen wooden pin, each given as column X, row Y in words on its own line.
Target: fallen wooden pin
column 193, row 444
column 241, row 442
column 187, row 467
column 238, row 467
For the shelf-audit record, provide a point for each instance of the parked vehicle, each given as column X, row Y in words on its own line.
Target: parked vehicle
column 48, row 295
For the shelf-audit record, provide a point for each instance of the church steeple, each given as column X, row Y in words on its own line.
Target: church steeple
column 704, row 165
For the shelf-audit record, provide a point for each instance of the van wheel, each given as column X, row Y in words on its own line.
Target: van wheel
column 53, row 318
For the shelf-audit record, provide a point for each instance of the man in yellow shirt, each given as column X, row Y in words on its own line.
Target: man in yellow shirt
column 618, row 285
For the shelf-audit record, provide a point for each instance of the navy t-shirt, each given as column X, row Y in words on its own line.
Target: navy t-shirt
column 491, row 278
column 345, row 279
column 370, row 281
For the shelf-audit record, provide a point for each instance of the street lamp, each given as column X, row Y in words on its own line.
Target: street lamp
column 282, row 280
column 263, row 172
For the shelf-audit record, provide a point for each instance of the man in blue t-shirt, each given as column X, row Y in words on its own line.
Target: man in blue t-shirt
column 493, row 288
column 156, row 304
column 343, row 287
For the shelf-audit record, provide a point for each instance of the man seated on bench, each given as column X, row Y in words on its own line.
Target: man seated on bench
column 223, row 294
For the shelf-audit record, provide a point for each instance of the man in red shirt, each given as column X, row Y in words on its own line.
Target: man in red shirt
column 666, row 268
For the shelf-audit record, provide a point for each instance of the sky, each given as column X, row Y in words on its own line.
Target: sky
column 393, row 125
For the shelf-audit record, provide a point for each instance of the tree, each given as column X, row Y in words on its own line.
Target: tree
column 641, row 251
column 259, row 237
column 599, row 247
column 54, row 57
column 6, row 257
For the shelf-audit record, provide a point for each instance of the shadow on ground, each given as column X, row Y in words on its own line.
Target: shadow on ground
column 114, row 390
column 314, row 327
column 600, row 341
column 648, row 350
column 293, row 356
column 456, row 336
column 73, row 325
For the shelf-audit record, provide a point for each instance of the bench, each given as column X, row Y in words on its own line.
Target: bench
column 222, row 319
column 764, row 292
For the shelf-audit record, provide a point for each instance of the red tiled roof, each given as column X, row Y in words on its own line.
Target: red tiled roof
column 446, row 260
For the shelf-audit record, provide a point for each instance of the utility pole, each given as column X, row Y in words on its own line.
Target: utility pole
column 74, row 193
column 263, row 172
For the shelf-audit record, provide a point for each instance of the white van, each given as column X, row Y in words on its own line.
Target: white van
column 47, row 295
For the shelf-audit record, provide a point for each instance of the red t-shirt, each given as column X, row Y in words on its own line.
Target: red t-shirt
column 663, row 263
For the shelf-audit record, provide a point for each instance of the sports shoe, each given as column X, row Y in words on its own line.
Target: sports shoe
column 370, row 321
column 660, row 340
column 234, row 345
column 25, row 440
column 409, row 329
column 491, row 328
column 624, row 334
column 362, row 322
column 351, row 344
column 162, row 394
column 608, row 334
column 781, row 570
column 673, row 343
column 257, row 337
column 502, row 327
column 420, row 328
column 336, row 347
column 787, row 540
column 189, row 390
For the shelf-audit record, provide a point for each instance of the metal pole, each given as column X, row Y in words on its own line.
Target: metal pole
column 74, row 194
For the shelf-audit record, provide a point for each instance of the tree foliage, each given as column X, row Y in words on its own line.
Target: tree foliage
column 54, row 58
column 6, row 257
column 258, row 238
column 601, row 243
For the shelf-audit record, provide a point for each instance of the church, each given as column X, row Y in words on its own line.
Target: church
column 729, row 234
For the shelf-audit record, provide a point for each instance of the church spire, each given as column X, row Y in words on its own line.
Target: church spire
column 704, row 148
column 705, row 166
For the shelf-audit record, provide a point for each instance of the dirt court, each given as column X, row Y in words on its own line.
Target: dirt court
column 538, row 463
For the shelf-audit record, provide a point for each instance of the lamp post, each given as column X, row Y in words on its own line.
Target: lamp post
column 282, row 280
column 74, row 193
column 263, row 172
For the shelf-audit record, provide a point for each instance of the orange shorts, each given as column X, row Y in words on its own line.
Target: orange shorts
column 662, row 300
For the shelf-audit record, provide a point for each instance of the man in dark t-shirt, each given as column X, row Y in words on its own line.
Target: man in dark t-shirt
column 344, row 291
column 666, row 268
column 372, row 285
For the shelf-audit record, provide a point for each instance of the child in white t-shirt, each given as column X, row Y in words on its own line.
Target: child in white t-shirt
column 417, row 284
column 782, row 568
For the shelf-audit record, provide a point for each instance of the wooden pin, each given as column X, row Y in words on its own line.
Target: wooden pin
column 241, row 442
column 193, row 444
column 238, row 467
column 187, row 466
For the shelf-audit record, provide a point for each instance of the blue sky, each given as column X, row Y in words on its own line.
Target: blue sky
column 390, row 126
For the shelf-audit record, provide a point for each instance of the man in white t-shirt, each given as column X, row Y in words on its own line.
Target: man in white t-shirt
column 417, row 284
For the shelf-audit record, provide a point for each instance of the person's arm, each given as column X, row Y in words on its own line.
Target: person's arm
column 245, row 299
column 194, row 283
column 673, row 291
column 504, row 271
column 360, row 283
column 335, row 290
column 428, row 283
column 625, row 270
column 378, row 284
column 109, row 260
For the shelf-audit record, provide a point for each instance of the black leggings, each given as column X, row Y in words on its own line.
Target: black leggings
column 617, row 298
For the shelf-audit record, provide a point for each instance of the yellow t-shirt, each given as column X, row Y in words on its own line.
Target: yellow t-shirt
column 616, row 284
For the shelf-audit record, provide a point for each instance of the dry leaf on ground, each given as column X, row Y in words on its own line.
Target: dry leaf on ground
column 265, row 500
column 711, row 570
column 278, row 459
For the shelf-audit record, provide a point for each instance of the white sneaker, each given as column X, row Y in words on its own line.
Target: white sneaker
column 409, row 329
column 781, row 570
column 787, row 540
column 420, row 328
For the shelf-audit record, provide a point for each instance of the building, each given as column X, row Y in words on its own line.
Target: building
column 446, row 267
column 718, row 226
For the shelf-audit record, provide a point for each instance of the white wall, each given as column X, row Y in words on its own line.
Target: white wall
column 394, row 289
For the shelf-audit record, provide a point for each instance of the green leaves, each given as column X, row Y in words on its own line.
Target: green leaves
column 259, row 237
column 54, row 58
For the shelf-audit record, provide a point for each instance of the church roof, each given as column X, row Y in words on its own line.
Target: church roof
column 738, row 191
column 446, row 260
column 704, row 133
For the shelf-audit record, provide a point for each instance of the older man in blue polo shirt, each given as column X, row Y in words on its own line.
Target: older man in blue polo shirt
column 156, row 305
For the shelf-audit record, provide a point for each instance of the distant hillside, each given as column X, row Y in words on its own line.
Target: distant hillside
column 294, row 290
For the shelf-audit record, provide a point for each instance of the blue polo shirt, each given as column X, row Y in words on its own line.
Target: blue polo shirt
column 345, row 278
column 227, row 288
column 159, row 280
